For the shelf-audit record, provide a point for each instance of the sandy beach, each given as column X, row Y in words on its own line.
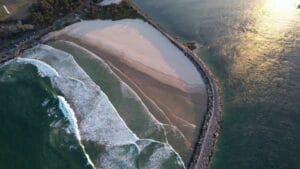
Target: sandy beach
column 142, row 55
column 174, row 84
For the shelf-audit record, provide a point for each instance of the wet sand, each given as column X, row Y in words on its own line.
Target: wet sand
column 208, row 132
column 164, row 78
column 168, row 104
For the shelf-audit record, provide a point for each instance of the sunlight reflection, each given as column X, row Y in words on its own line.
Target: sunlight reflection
column 259, row 50
column 282, row 7
column 280, row 12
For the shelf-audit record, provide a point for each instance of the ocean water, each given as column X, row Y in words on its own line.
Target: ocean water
column 55, row 116
column 128, row 104
column 253, row 47
column 171, row 118
column 34, row 132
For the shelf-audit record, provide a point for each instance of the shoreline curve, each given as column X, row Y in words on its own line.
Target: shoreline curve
column 210, row 127
column 209, row 131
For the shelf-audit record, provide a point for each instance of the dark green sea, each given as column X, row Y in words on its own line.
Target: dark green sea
column 33, row 128
column 254, row 49
column 54, row 115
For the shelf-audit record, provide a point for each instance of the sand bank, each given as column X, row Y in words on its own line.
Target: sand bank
column 139, row 44
column 209, row 131
column 95, row 118
column 151, row 62
column 127, row 102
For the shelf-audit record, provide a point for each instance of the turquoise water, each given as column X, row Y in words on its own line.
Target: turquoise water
column 253, row 47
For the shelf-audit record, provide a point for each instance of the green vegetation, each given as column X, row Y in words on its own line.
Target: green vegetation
column 114, row 11
column 42, row 16
column 45, row 12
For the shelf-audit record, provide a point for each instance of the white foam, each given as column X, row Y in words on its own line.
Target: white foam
column 57, row 124
column 98, row 119
column 127, row 154
column 153, row 125
column 155, row 159
column 43, row 68
column 70, row 115
column 160, row 155
column 93, row 117
column 149, row 127
column 127, row 91
column 45, row 102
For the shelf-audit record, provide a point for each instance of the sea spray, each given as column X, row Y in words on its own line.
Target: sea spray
column 98, row 121
column 145, row 50
column 70, row 115
column 125, row 99
column 126, row 91
column 43, row 69
column 33, row 128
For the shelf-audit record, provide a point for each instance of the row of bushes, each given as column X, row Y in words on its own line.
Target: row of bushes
column 44, row 12
column 114, row 11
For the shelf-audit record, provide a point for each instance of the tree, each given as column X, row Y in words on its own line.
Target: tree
column 46, row 11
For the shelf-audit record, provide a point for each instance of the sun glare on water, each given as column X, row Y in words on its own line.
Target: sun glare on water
column 274, row 21
column 282, row 8
column 278, row 15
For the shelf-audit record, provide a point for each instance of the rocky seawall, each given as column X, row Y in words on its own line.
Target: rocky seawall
column 204, row 147
column 208, row 133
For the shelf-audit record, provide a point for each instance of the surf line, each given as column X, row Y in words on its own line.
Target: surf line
column 6, row 10
column 204, row 148
column 70, row 115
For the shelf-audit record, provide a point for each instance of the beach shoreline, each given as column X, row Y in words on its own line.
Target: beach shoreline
column 204, row 148
column 152, row 91
column 210, row 127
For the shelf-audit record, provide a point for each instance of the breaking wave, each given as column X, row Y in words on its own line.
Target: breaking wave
column 126, row 101
column 95, row 121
